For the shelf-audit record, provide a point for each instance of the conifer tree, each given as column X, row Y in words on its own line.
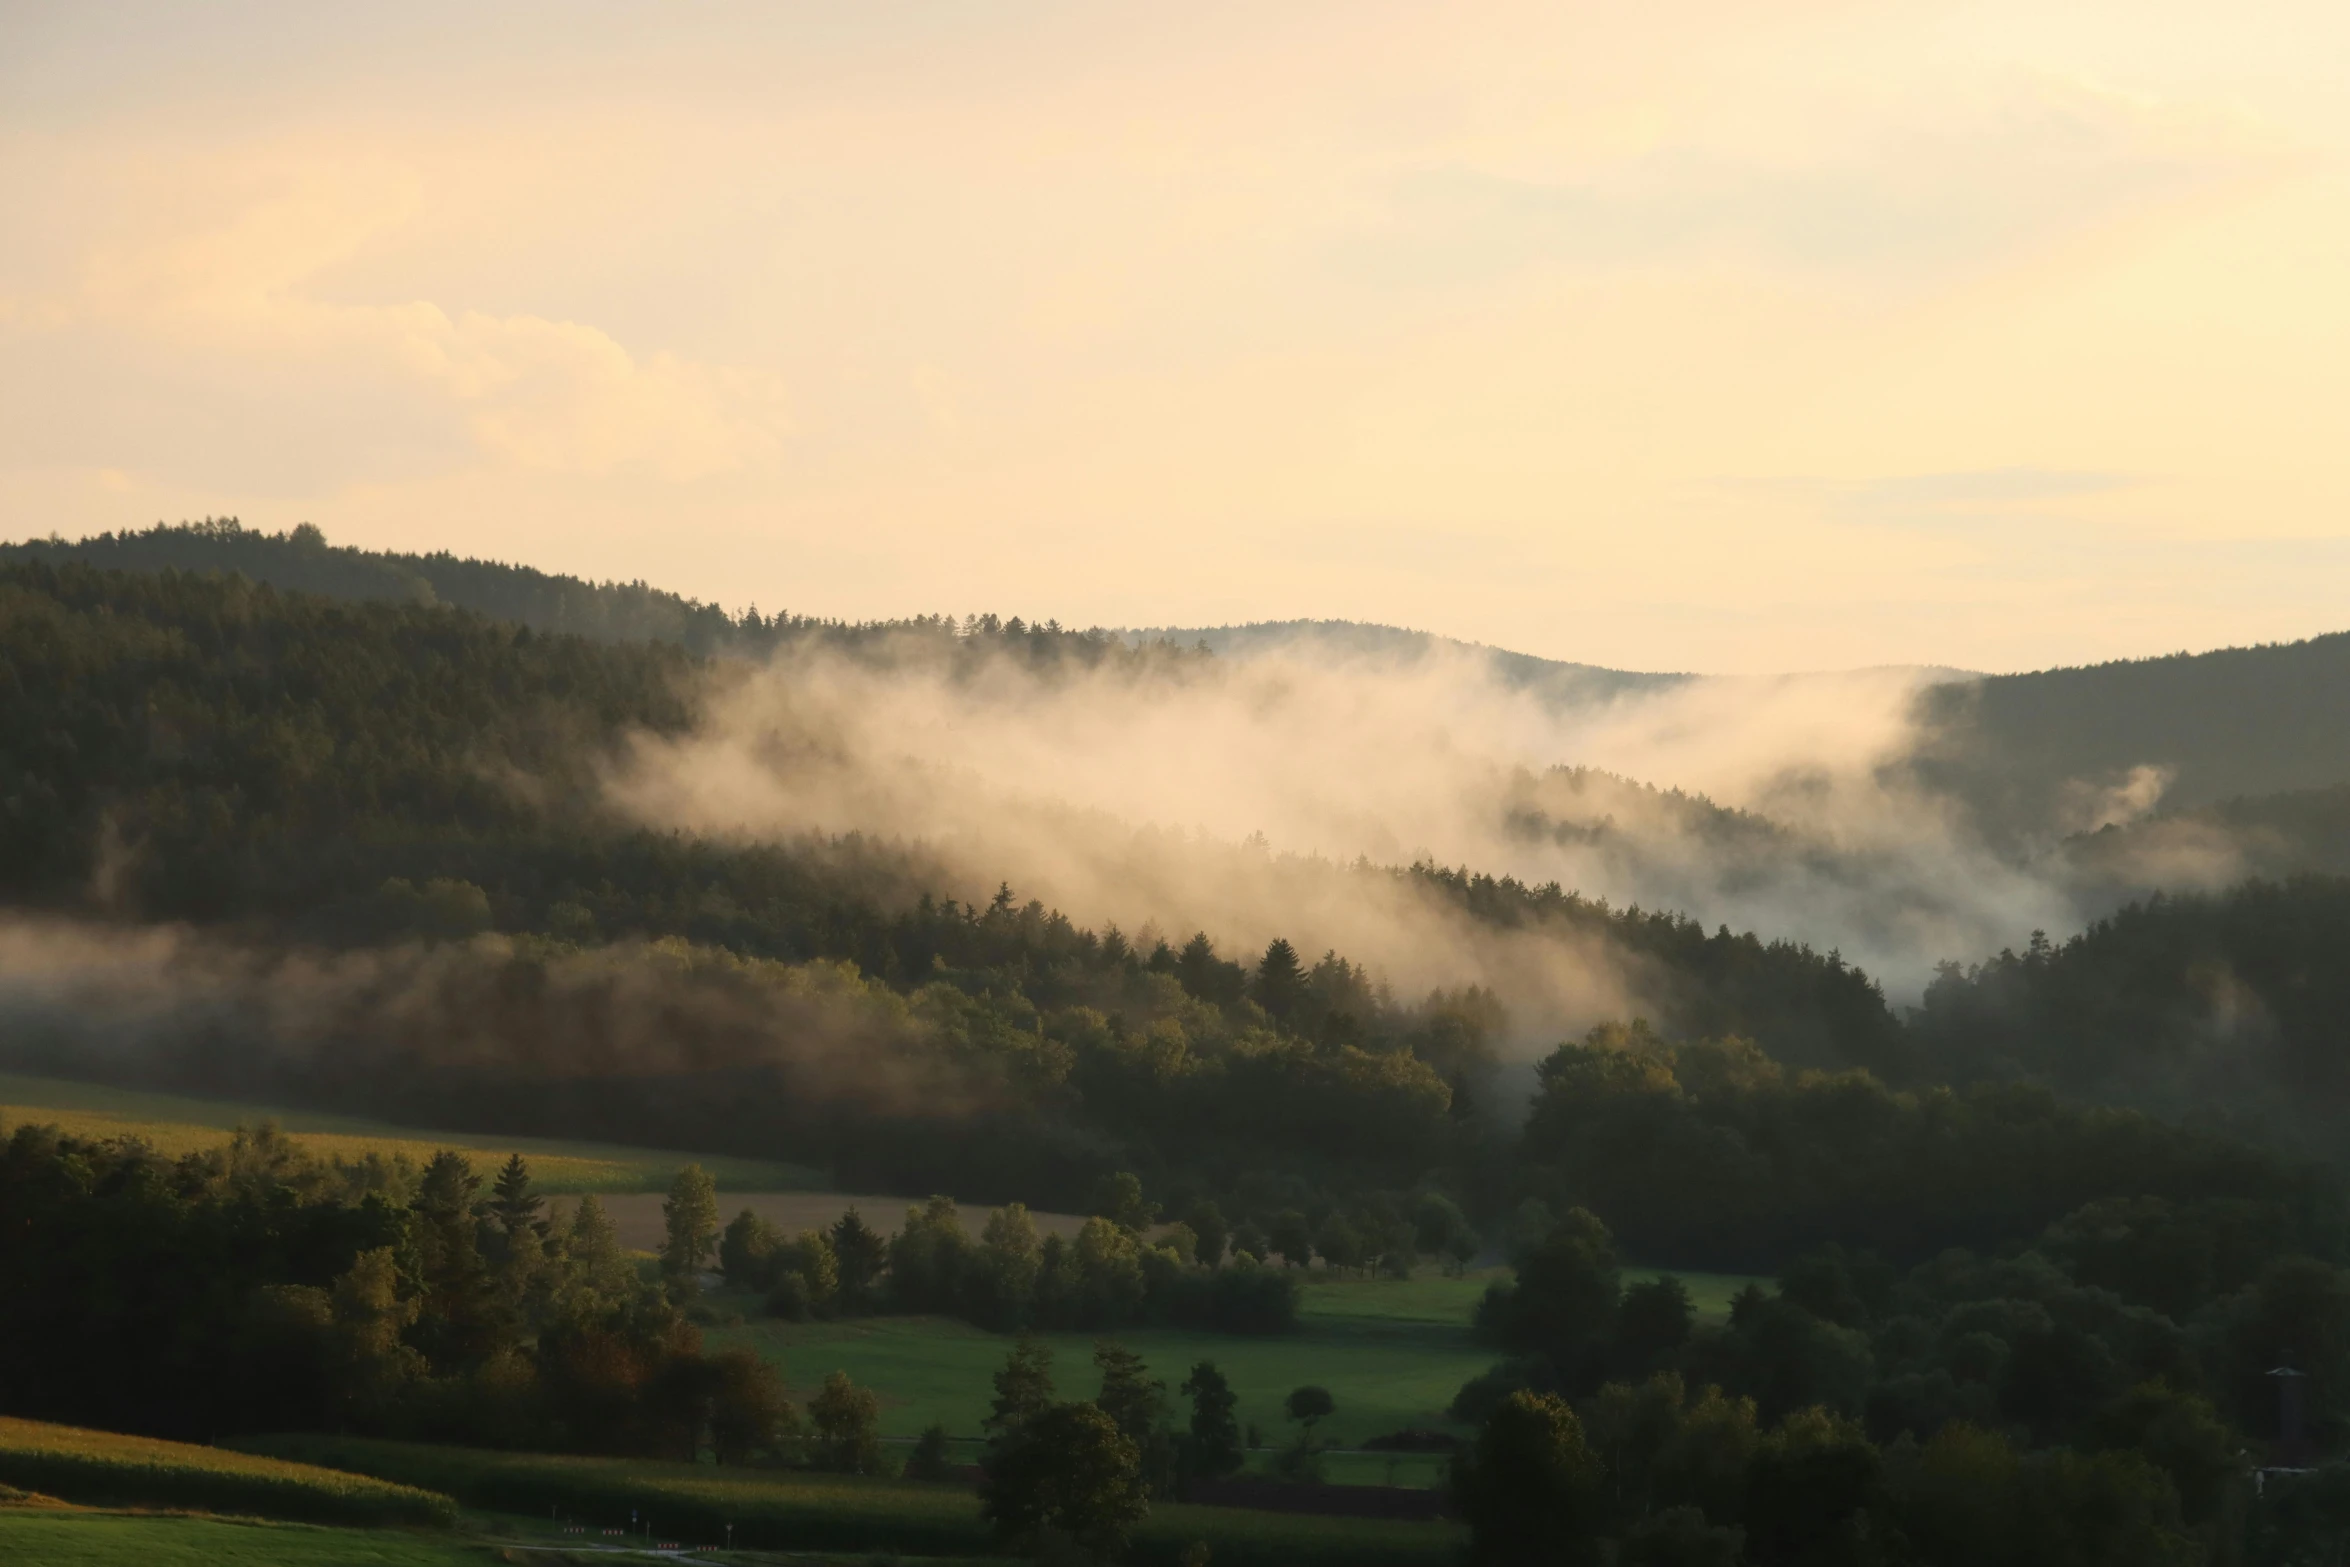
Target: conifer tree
column 691, row 1214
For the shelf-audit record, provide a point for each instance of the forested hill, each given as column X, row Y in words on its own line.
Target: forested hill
column 2241, row 721
column 1554, row 678
column 284, row 771
column 2234, row 1004
column 303, row 560
column 2023, row 751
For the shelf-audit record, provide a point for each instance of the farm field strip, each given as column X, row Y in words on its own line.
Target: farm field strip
column 107, row 1468
column 176, row 1124
column 77, row 1539
column 793, row 1510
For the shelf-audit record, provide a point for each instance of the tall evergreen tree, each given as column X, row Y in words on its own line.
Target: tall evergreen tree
column 512, row 1202
column 456, row 1284
column 1130, row 1394
column 1023, row 1390
column 859, row 1253
column 691, row 1217
column 1280, row 981
column 1214, row 1448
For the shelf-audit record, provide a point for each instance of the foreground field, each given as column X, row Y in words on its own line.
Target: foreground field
column 77, row 1539
column 784, row 1510
column 106, row 1467
column 1392, row 1353
column 176, row 1125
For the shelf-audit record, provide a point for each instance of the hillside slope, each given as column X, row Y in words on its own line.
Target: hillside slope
column 2036, row 750
column 2031, row 756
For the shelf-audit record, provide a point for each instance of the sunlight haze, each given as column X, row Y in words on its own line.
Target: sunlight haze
column 1687, row 336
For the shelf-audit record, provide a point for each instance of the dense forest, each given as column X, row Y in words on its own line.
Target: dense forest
column 2226, row 1006
column 2237, row 722
column 414, row 791
column 450, row 1304
column 2096, row 1396
column 280, row 768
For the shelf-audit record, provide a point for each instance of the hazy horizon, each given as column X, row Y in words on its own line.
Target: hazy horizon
column 1726, row 338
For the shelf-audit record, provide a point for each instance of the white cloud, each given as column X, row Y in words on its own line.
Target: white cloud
column 230, row 271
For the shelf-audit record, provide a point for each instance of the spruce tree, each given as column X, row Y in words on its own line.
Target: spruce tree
column 691, row 1213
column 1214, row 1448
column 512, row 1203
column 1280, row 980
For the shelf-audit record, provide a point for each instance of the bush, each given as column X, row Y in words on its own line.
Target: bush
column 931, row 1458
column 789, row 1299
column 1241, row 1298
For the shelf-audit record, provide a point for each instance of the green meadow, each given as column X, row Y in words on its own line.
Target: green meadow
column 175, row 1124
column 1392, row 1353
column 68, row 1538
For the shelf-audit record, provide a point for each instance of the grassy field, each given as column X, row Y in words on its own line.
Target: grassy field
column 176, row 1125
column 104, row 1467
column 1392, row 1353
column 772, row 1509
column 83, row 1539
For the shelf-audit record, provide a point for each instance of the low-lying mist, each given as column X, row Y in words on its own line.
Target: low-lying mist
column 1252, row 798
column 490, row 1033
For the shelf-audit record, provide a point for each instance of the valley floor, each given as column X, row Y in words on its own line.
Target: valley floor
column 1391, row 1352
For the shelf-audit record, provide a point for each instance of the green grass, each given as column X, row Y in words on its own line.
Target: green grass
column 111, row 1469
column 1392, row 1353
column 177, row 1125
column 78, row 1539
column 931, row 1370
column 785, row 1510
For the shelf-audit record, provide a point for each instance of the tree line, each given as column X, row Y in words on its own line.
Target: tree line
column 312, row 774
column 2100, row 1395
column 309, row 772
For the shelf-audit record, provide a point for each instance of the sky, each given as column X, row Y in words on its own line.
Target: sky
column 1702, row 335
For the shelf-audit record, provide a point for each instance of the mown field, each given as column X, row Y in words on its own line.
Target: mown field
column 1392, row 1353
column 107, row 1468
column 176, row 1125
column 81, row 1539
column 786, row 1510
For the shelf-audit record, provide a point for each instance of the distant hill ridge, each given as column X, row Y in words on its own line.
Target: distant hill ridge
column 1557, row 678
column 2224, row 725
column 302, row 560
column 2021, row 750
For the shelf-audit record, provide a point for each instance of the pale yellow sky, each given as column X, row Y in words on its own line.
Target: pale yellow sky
column 1733, row 336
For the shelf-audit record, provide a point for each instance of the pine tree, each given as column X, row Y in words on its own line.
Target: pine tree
column 691, row 1214
column 1214, row 1448
column 512, row 1203
column 1023, row 1390
column 858, row 1250
column 456, row 1326
column 1280, row 981
column 1130, row 1394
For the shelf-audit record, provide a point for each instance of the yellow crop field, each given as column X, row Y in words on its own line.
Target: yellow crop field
column 111, row 1469
column 176, row 1124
